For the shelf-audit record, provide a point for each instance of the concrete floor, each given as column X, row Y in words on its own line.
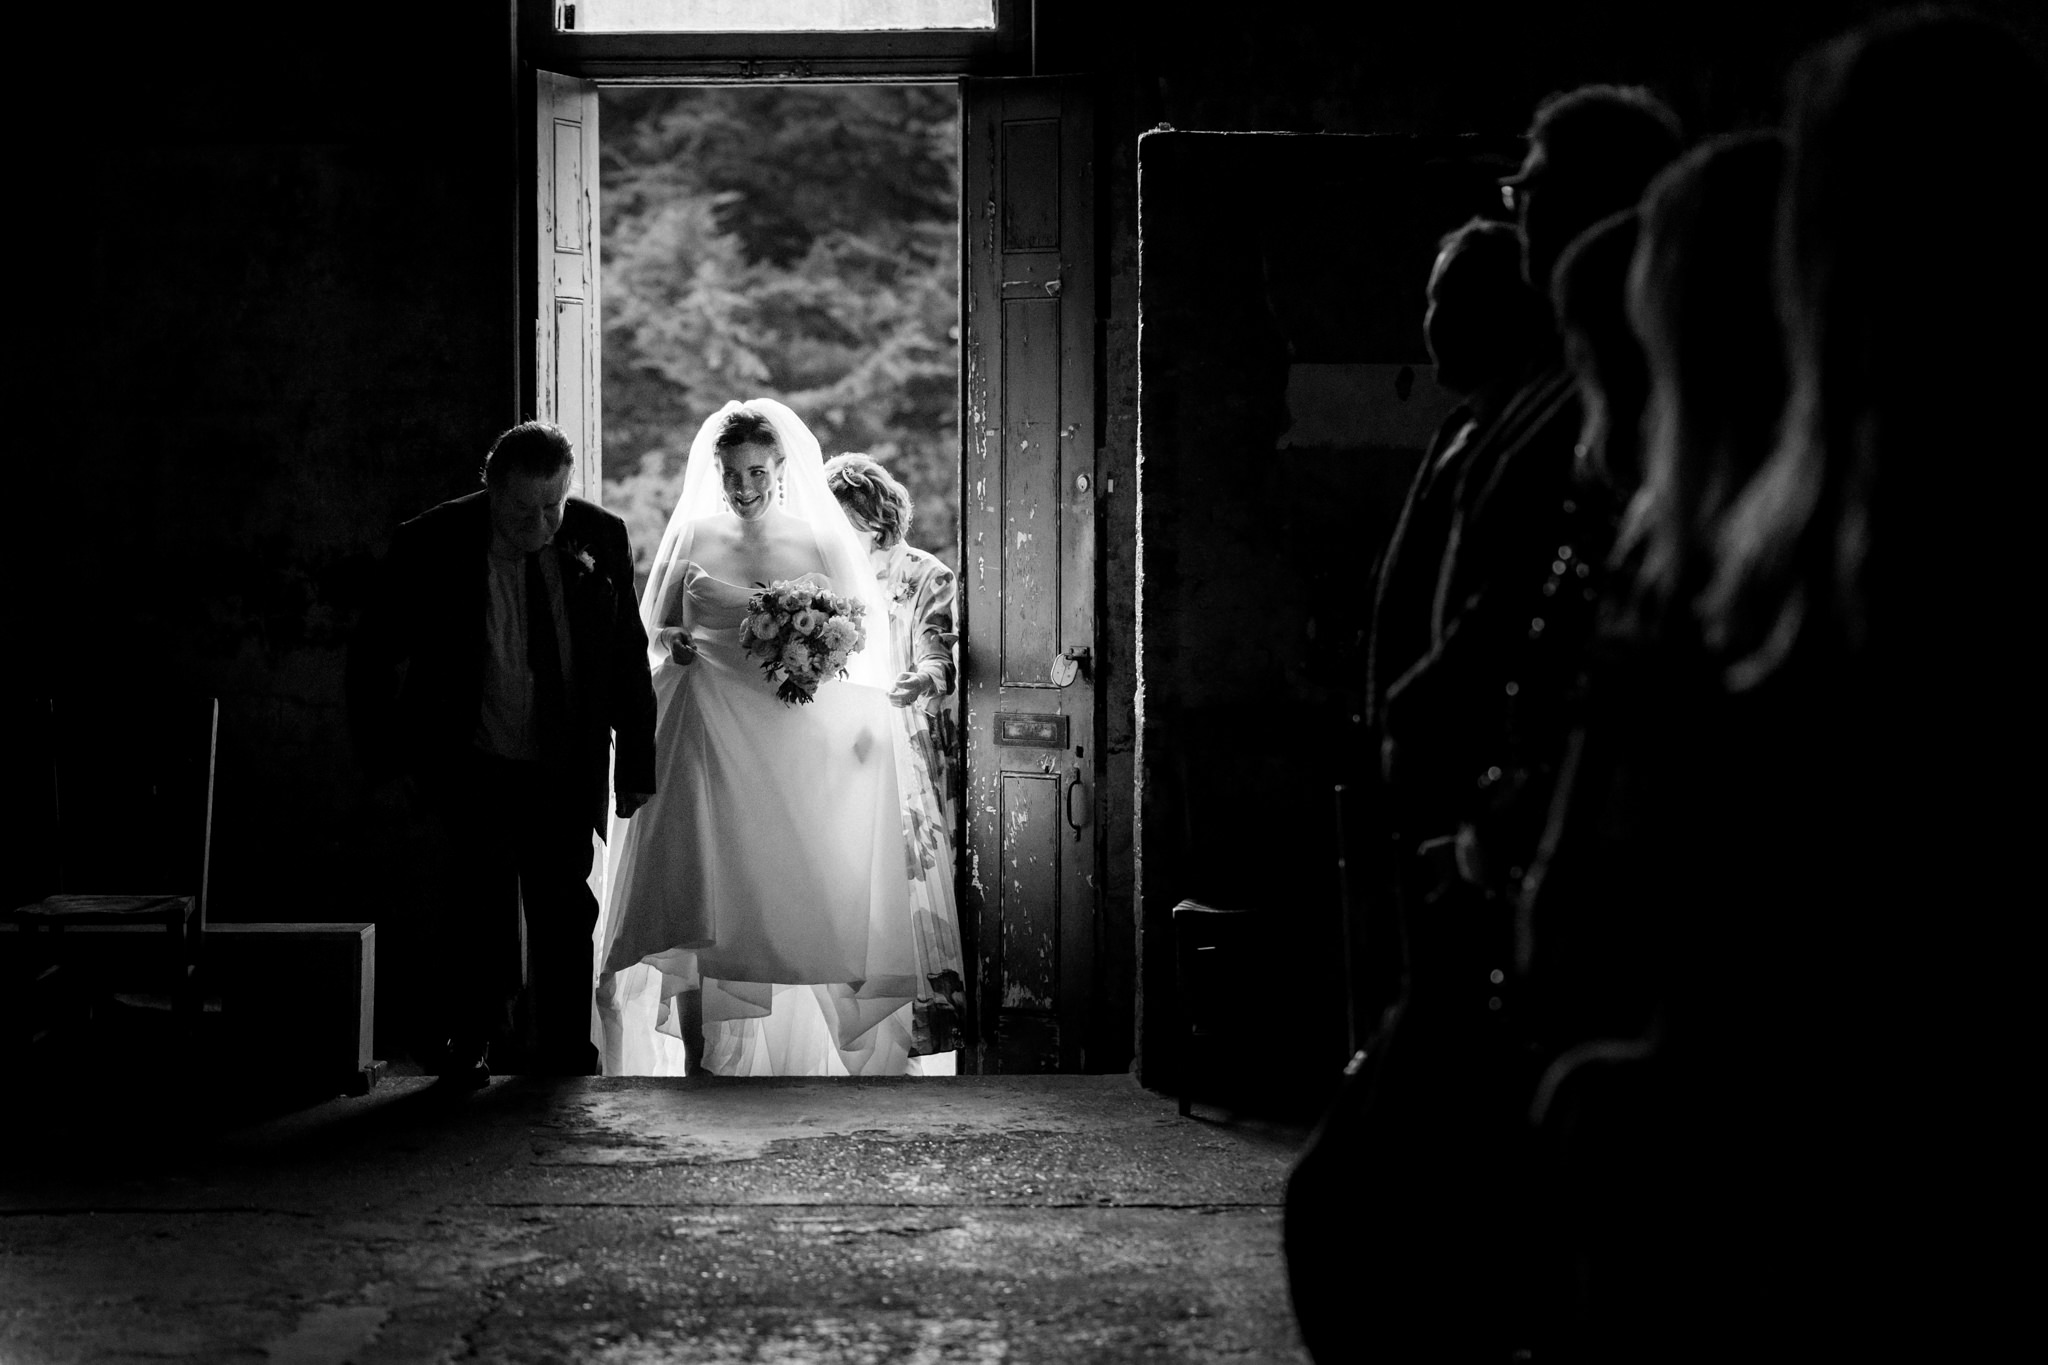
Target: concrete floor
column 979, row 1219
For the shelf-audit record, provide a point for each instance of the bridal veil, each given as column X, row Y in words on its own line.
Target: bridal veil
column 774, row 835
column 804, row 495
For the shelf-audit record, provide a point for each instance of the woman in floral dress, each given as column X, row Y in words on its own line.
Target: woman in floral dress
column 920, row 592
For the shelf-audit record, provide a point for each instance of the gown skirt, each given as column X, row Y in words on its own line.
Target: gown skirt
column 768, row 870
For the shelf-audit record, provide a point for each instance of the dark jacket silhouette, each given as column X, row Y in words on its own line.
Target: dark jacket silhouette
column 416, row 673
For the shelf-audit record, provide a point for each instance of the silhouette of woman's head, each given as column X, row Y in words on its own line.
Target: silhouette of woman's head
column 1913, row 143
column 1586, row 293
column 1700, row 300
column 1483, row 323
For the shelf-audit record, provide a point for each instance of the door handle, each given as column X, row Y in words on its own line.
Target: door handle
column 1070, row 664
column 1073, row 785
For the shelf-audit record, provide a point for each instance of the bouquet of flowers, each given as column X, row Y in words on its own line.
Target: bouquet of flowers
column 802, row 635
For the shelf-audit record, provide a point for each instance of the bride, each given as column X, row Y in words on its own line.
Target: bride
column 768, row 871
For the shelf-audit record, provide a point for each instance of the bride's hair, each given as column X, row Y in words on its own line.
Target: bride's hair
column 745, row 427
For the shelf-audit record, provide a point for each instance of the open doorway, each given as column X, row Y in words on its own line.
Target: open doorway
column 996, row 254
column 795, row 241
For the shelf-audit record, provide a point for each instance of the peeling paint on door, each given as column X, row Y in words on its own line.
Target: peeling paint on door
column 1030, row 595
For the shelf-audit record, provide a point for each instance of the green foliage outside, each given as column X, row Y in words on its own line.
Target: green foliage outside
column 793, row 242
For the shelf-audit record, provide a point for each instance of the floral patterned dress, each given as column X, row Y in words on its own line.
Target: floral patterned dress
column 921, row 592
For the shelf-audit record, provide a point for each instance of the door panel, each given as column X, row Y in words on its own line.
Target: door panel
column 1028, row 515
column 1030, row 551
column 567, row 321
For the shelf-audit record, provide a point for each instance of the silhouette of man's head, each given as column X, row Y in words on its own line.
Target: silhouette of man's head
column 526, row 481
column 1483, row 322
column 1591, row 152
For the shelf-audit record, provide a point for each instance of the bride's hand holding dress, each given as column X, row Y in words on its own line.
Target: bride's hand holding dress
column 672, row 638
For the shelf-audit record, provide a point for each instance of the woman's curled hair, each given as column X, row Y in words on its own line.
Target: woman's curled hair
column 871, row 494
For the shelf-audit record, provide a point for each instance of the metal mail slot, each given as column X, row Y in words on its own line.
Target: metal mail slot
column 1025, row 729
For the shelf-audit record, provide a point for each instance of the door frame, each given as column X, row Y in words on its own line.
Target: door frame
column 728, row 58
column 638, row 60
column 723, row 59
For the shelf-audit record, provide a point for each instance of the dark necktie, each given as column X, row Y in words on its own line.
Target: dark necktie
column 550, row 707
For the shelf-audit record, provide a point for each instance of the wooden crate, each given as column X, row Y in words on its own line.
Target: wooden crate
column 301, row 997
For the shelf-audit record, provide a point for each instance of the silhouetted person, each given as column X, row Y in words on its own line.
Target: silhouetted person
column 1431, row 1147
column 1639, row 828
column 1589, row 298
column 1485, row 329
column 1384, row 1197
column 1528, row 700
column 1524, row 494
column 1873, row 602
column 1487, row 332
column 500, row 656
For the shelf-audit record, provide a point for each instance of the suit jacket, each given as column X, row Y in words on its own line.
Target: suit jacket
column 1404, row 588
column 1446, row 718
column 416, row 668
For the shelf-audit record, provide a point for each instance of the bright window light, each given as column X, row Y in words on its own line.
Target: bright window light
column 771, row 16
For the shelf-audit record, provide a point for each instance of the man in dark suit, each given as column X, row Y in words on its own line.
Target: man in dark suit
column 1457, row 722
column 1420, row 1163
column 501, row 654
column 1487, row 332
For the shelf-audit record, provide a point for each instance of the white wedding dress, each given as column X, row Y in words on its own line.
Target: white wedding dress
column 769, row 868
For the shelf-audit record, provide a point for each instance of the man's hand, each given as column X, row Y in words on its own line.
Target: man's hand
column 628, row 802
column 912, row 686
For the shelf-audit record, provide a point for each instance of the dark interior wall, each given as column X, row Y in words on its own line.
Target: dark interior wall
column 1287, row 400
column 274, row 282
column 1235, row 720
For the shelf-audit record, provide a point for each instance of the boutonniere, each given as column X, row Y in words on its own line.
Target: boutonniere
column 581, row 555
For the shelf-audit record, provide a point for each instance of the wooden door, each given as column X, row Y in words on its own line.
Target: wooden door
column 567, row 325
column 1028, row 493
